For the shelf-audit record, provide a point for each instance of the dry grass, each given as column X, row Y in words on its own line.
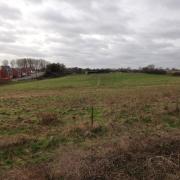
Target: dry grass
column 48, row 118
column 13, row 141
column 151, row 158
column 31, row 173
column 84, row 130
column 133, row 136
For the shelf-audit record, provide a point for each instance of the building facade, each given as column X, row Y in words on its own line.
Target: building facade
column 6, row 73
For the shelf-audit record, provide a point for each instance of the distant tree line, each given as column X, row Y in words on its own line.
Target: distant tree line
column 176, row 73
column 151, row 69
column 34, row 64
column 57, row 69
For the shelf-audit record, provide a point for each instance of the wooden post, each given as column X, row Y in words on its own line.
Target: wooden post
column 92, row 116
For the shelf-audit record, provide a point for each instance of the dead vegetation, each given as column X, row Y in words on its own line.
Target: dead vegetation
column 151, row 158
column 143, row 158
column 47, row 118
column 84, row 130
column 48, row 134
column 13, row 141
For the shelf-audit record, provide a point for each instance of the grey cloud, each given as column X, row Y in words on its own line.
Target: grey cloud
column 175, row 4
column 54, row 15
column 21, row 50
column 105, row 19
column 93, row 33
column 169, row 29
column 7, row 37
column 9, row 12
column 36, row 1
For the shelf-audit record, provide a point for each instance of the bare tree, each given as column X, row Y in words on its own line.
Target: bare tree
column 34, row 64
column 5, row 62
column 22, row 63
column 13, row 63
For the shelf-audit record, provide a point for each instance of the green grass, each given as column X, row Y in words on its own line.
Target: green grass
column 101, row 80
column 123, row 102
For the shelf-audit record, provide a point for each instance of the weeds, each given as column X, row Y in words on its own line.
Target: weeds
column 85, row 130
column 144, row 158
column 48, row 118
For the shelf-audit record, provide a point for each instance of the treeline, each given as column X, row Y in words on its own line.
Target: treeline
column 34, row 64
column 151, row 69
column 55, row 70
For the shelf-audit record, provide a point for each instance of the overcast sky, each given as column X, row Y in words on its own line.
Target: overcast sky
column 92, row 33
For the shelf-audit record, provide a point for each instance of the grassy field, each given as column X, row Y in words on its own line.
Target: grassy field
column 46, row 130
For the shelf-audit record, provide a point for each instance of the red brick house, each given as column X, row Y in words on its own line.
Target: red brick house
column 17, row 73
column 6, row 73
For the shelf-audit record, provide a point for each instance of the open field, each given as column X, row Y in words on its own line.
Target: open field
column 46, row 130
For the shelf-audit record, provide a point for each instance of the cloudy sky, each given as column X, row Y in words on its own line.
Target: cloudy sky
column 92, row 33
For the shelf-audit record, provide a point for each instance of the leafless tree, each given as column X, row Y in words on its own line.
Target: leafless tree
column 34, row 64
column 13, row 63
column 5, row 62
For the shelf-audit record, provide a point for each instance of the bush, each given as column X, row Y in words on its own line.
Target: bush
column 48, row 118
column 176, row 73
column 55, row 70
column 154, row 71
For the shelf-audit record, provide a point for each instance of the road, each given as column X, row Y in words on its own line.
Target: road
column 32, row 76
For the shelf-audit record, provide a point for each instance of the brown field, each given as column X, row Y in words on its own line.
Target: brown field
column 46, row 130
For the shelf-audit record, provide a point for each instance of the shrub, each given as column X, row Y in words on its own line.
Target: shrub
column 176, row 73
column 55, row 70
column 48, row 118
column 154, row 71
